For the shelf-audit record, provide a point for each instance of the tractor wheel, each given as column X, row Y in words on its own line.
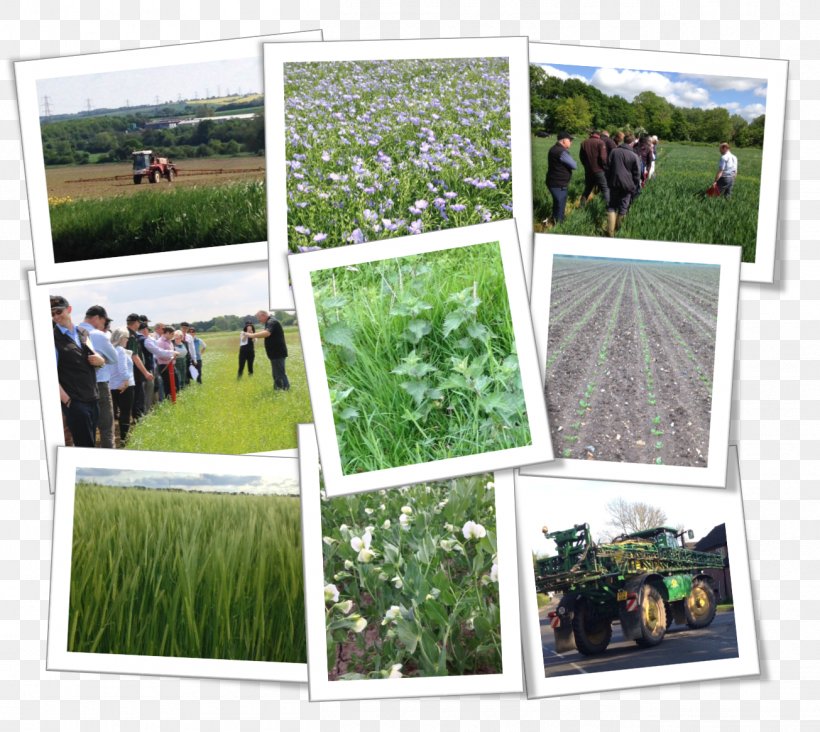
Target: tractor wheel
column 170, row 175
column 592, row 634
column 137, row 179
column 653, row 617
column 154, row 178
column 701, row 605
column 669, row 614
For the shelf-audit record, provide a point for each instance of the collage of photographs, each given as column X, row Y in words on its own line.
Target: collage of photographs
column 490, row 455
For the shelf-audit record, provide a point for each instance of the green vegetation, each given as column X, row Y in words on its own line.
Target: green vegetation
column 229, row 416
column 576, row 106
column 671, row 207
column 420, row 358
column 412, row 581
column 163, row 218
column 195, row 575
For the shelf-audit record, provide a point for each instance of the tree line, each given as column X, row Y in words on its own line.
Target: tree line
column 577, row 107
column 223, row 323
column 112, row 138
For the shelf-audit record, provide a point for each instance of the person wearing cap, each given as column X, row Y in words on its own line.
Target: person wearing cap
column 76, row 373
column 594, row 160
column 141, row 374
column 94, row 325
column 624, row 178
column 560, row 165
column 189, row 344
column 275, row 347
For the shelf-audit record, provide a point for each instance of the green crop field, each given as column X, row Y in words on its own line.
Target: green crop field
column 163, row 218
column 195, row 575
column 670, row 208
column 229, row 415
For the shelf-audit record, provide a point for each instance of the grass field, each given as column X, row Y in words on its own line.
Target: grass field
column 226, row 415
column 194, row 575
column 379, row 149
column 670, row 207
column 420, row 358
column 93, row 215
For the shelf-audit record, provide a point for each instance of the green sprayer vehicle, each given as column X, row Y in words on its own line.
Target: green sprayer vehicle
column 646, row 580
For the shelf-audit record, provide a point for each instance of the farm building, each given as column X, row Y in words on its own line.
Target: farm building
column 715, row 543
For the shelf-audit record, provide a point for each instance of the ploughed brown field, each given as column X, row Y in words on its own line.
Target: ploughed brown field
column 97, row 181
column 630, row 360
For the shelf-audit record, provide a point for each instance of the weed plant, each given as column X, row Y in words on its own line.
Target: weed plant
column 671, row 206
column 159, row 220
column 168, row 573
column 379, row 149
column 420, row 358
column 228, row 415
column 411, row 581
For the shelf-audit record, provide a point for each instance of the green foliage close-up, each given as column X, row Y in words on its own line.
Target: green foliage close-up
column 672, row 206
column 411, row 581
column 157, row 572
column 223, row 415
column 420, row 358
column 163, row 218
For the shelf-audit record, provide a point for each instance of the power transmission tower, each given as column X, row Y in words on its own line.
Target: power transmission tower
column 88, row 104
column 46, row 106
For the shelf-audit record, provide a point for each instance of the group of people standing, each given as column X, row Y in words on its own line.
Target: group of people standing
column 110, row 377
column 618, row 166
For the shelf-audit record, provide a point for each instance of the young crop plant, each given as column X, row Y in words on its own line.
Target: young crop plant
column 411, row 581
column 379, row 149
column 420, row 358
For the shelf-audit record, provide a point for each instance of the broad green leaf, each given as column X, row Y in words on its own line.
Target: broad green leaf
column 452, row 321
column 482, row 628
column 338, row 334
column 391, row 553
column 454, row 381
column 435, row 612
column 431, row 651
column 478, row 331
column 349, row 413
column 408, row 634
column 333, row 301
column 417, row 330
column 416, row 389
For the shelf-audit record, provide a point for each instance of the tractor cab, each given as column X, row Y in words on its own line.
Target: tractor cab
column 663, row 537
column 142, row 161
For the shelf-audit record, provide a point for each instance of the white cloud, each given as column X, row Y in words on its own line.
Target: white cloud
column 760, row 91
column 750, row 111
column 559, row 74
column 726, row 83
column 628, row 83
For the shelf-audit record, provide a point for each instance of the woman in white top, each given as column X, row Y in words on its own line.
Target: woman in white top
column 121, row 382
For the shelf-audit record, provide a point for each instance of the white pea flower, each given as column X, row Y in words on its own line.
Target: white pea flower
column 362, row 545
column 382, row 576
column 449, row 527
column 331, row 593
column 494, row 572
column 386, row 524
column 368, row 511
column 369, row 529
column 329, row 540
column 472, row 530
column 393, row 613
column 490, row 485
column 406, row 510
column 404, row 520
column 433, row 594
column 397, row 582
column 359, row 623
column 382, row 507
column 345, row 606
column 394, row 671
column 348, row 564
column 447, row 544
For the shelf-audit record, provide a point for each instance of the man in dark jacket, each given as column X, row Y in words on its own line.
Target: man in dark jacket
column 624, row 178
column 594, row 160
column 275, row 348
column 560, row 165
column 77, row 365
column 608, row 141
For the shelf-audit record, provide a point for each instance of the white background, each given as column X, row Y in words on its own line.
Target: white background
column 775, row 414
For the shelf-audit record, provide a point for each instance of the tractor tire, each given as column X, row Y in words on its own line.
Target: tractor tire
column 670, row 617
column 592, row 635
column 137, row 179
column 701, row 605
column 653, row 616
column 154, row 176
column 170, row 175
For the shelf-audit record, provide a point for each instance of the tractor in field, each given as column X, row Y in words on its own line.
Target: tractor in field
column 645, row 580
column 153, row 167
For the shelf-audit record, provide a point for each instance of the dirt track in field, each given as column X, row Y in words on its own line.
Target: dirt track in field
column 630, row 360
column 97, row 181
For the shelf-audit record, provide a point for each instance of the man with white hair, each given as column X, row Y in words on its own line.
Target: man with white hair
column 275, row 348
column 727, row 171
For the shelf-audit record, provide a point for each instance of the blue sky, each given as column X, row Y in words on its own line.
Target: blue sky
column 134, row 87
column 206, row 482
column 740, row 95
column 190, row 295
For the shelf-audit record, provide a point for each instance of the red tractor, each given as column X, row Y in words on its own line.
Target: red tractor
column 152, row 166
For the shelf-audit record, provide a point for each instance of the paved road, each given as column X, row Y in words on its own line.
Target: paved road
column 680, row 645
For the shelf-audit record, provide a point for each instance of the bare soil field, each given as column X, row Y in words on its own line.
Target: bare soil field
column 115, row 179
column 630, row 360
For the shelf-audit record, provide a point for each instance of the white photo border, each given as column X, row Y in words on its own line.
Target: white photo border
column 53, row 435
column 320, row 688
column 59, row 658
column 547, row 246
column 774, row 71
column 301, row 266
column 728, row 505
column 512, row 47
column 28, row 73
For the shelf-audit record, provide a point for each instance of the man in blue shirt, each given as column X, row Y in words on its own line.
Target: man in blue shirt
column 76, row 373
column 199, row 348
column 560, row 165
column 94, row 325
